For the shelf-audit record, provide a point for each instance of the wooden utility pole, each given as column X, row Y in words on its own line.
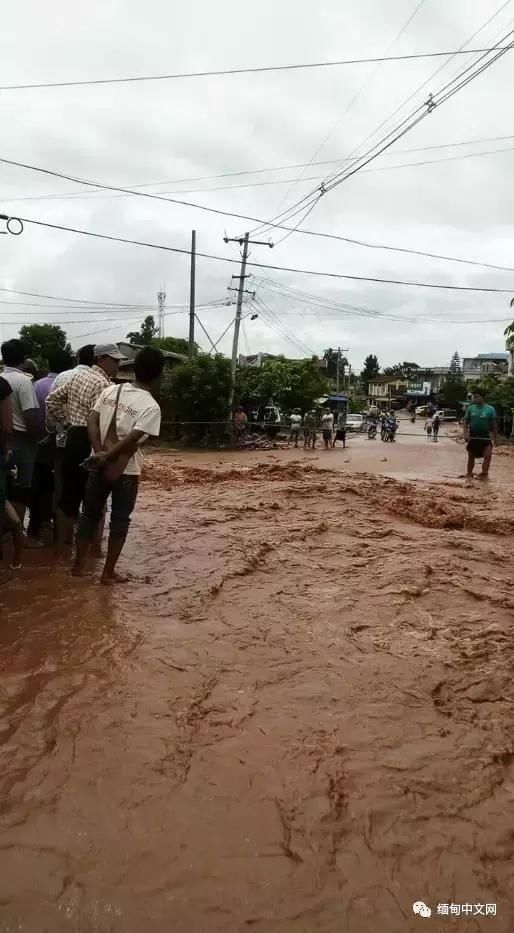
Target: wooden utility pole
column 192, row 296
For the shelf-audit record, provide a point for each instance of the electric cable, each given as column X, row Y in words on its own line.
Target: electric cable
column 261, row 265
column 259, row 69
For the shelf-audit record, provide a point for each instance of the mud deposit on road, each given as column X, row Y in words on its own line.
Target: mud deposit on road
column 297, row 717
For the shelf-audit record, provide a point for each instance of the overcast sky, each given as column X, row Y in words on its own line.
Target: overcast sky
column 166, row 131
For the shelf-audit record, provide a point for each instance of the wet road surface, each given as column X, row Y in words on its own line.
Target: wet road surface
column 298, row 715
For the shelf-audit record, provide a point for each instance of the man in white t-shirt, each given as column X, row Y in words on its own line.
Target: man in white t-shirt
column 26, row 423
column 296, row 426
column 122, row 419
column 327, row 426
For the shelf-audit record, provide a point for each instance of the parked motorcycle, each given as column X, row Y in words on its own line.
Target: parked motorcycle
column 372, row 430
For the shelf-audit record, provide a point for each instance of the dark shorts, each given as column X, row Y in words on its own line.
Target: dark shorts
column 59, row 454
column 3, row 479
column 478, row 446
column 74, row 477
column 327, row 435
column 123, row 493
column 341, row 434
column 24, row 450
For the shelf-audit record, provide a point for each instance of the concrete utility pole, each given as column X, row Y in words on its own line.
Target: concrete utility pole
column 161, row 300
column 245, row 242
column 338, row 367
column 192, row 296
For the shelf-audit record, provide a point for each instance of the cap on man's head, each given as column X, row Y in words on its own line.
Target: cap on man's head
column 108, row 349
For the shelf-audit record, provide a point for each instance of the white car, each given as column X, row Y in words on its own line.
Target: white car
column 446, row 414
column 355, row 422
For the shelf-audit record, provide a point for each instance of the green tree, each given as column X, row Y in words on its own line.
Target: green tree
column 290, row 383
column 173, row 344
column 330, row 356
column 509, row 332
column 453, row 390
column 403, row 370
column 357, row 404
column 370, row 369
column 42, row 339
column 455, row 371
column 196, row 393
column 146, row 334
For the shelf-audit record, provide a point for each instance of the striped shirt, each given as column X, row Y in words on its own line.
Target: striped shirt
column 60, row 430
column 71, row 403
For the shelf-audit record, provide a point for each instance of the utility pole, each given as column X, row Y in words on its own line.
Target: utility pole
column 338, row 367
column 192, row 290
column 245, row 242
column 161, row 299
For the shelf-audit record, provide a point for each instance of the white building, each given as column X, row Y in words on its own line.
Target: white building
column 485, row 364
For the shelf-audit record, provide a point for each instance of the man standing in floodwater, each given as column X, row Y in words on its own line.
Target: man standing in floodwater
column 296, row 425
column 122, row 419
column 327, row 426
column 480, row 432
column 309, row 429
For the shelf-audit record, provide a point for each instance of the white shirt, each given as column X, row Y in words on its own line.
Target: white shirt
column 137, row 411
column 296, row 422
column 60, row 379
column 327, row 422
column 23, row 396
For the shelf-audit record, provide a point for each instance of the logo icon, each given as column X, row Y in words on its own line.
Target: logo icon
column 421, row 908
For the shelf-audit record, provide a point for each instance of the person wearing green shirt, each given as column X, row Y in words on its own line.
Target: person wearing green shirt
column 480, row 432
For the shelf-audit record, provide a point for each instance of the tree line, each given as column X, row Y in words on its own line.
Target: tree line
column 195, row 393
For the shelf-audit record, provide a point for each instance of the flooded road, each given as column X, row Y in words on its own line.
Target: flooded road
column 298, row 716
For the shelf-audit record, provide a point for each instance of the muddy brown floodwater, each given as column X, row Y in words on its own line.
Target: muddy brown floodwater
column 297, row 718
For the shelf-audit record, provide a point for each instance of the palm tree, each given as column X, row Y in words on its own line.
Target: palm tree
column 509, row 332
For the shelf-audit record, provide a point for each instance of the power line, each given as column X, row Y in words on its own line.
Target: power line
column 72, row 309
column 260, row 265
column 420, row 113
column 114, row 320
column 336, row 307
column 430, row 78
column 259, row 171
column 260, row 223
column 272, row 321
column 290, row 335
column 352, row 101
column 259, row 69
column 82, row 301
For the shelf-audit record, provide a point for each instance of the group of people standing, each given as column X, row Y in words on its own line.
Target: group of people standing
column 68, row 442
column 327, row 423
column 309, row 423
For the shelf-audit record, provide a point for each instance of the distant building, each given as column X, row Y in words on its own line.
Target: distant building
column 255, row 359
column 485, row 364
column 258, row 359
column 423, row 383
column 386, row 387
column 129, row 350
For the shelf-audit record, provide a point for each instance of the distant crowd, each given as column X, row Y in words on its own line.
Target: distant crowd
column 68, row 441
column 332, row 426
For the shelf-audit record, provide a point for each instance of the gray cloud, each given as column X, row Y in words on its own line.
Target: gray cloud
column 161, row 131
